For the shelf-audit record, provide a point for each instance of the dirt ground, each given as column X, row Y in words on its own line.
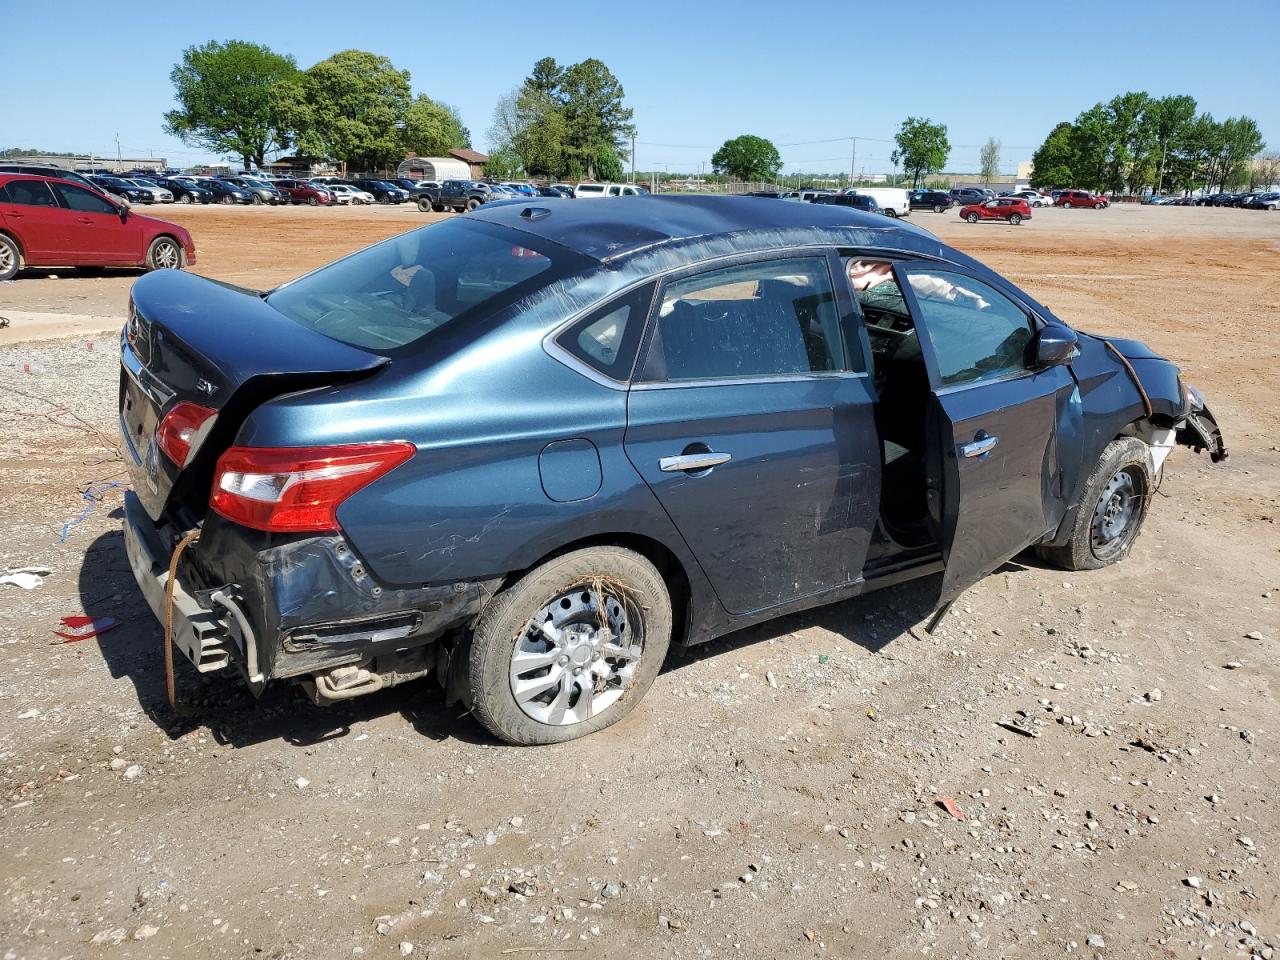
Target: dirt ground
column 775, row 795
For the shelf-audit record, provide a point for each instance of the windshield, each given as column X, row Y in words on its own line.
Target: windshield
column 398, row 291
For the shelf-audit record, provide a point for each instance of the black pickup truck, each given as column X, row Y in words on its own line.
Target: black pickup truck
column 456, row 195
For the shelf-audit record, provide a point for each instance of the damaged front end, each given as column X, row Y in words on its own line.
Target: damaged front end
column 305, row 608
column 1200, row 431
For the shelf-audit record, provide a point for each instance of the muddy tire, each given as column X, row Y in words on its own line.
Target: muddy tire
column 547, row 665
column 164, row 254
column 10, row 258
column 1112, row 509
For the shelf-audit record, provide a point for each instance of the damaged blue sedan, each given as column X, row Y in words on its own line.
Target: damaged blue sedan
column 526, row 450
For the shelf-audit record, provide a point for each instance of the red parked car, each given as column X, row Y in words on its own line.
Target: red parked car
column 46, row 222
column 1012, row 209
column 1081, row 198
column 299, row 191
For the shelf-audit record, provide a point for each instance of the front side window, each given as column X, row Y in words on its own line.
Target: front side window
column 977, row 333
column 82, row 200
column 397, row 292
column 777, row 318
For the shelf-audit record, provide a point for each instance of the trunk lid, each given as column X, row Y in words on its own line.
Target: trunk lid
column 219, row 346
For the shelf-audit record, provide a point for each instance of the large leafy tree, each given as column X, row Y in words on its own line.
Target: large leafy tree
column 356, row 104
column 235, row 98
column 432, row 128
column 1053, row 165
column 747, row 157
column 529, row 122
column 923, row 147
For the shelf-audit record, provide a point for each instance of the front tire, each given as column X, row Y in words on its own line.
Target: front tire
column 472, row 204
column 1098, row 206
column 972, row 217
column 229, row 200
column 938, row 208
column 1111, row 511
column 424, row 205
column 164, row 254
column 1066, row 205
column 10, row 258
column 570, row 647
column 184, row 198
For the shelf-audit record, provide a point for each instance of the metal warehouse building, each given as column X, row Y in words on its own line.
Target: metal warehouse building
column 459, row 165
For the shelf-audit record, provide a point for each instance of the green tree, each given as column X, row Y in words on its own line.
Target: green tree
column 234, row 98
column 747, row 157
column 922, row 146
column 1241, row 141
column 1169, row 121
column 504, row 164
column 529, row 122
column 432, row 129
column 1053, row 164
column 591, row 99
column 989, row 159
column 545, row 77
column 356, row 104
column 607, row 164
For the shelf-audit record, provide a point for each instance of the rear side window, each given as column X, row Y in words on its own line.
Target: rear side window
column 607, row 339
column 397, row 292
column 777, row 318
column 31, row 193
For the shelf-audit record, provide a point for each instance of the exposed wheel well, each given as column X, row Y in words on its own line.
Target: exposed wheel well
column 182, row 253
column 668, row 564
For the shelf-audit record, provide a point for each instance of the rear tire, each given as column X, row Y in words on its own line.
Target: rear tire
column 639, row 613
column 10, row 258
column 1111, row 512
column 891, row 214
column 164, row 254
column 1015, row 218
column 972, row 217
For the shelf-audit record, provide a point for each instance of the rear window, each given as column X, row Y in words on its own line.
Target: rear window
column 395, row 293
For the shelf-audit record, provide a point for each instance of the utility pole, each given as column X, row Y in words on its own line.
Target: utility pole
column 853, row 161
column 633, row 156
column 119, row 160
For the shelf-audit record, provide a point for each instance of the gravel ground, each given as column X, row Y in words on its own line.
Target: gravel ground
column 1073, row 764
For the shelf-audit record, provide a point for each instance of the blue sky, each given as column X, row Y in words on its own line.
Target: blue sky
column 694, row 76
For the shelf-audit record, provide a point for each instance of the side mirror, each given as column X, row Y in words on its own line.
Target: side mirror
column 1056, row 345
column 123, row 211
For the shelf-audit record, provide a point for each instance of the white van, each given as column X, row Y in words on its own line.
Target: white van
column 893, row 201
column 584, row 190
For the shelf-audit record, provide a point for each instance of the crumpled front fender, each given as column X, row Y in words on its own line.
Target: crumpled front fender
column 1201, row 432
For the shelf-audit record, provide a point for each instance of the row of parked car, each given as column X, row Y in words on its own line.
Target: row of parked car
column 1255, row 200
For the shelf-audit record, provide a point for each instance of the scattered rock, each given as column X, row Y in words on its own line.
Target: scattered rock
column 406, row 948
column 302, row 783
column 1192, row 882
column 1095, row 941
column 611, row 890
column 133, row 771
column 118, row 763
column 516, row 822
column 1155, row 696
column 145, row 932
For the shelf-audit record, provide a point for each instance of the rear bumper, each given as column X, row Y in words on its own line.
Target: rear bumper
column 277, row 610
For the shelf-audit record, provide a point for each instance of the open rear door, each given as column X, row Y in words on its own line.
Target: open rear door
column 993, row 474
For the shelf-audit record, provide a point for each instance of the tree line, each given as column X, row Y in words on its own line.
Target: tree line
column 244, row 99
column 1135, row 141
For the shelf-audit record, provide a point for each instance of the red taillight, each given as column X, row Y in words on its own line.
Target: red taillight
column 298, row 489
column 182, row 429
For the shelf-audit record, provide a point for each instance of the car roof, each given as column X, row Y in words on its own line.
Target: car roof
column 611, row 230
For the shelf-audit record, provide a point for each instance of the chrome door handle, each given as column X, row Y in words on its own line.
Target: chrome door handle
column 693, row 461
column 982, row 445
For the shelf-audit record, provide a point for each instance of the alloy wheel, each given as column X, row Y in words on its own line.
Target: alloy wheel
column 577, row 655
column 166, row 256
column 8, row 258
